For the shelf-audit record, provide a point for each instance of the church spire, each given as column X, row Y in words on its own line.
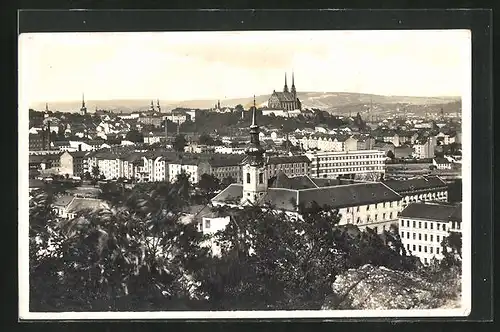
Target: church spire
column 293, row 86
column 285, row 88
column 158, row 105
column 83, row 109
column 46, row 107
column 255, row 150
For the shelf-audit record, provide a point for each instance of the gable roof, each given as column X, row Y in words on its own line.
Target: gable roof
column 425, row 182
column 281, row 180
column 349, row 195
column 284, row 96
column 232, row 192
column 79, row 204
column 435, row 212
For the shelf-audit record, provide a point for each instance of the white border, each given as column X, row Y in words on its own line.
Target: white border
column 23, row 254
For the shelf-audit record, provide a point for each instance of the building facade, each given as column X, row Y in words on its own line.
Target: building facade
column 290, row 165
column 423, row 227
column 334, row 164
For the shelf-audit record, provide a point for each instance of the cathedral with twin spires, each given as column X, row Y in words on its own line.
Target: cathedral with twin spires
column 286, row 100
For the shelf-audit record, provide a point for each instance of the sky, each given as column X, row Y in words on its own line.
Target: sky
column 178, row 66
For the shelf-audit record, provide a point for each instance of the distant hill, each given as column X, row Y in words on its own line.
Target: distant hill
column 329, row 101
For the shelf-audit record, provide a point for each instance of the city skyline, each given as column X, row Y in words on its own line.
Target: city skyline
column 177, row 66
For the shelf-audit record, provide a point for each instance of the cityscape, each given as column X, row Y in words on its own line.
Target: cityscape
column 287, row 198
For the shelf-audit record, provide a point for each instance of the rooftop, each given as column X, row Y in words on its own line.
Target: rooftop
column 425, row 182
column 435, row 212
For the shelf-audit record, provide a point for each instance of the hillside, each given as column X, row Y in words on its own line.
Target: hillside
column 329, row 101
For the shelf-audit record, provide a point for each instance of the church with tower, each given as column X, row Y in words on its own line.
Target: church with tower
column 286, row 100
column 255, row 181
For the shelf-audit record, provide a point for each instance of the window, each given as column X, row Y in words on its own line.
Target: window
column 419, row 224
column 390, row 216
column 425, row 225
column 431, row 249
column 261, row 178
column 414, row 248
column 425, row 260
column 437, row 238
column 437, row 251
column 425, row 248
column 425, row 237
column 419, row 236
column 431, row 237
column 414, row 236
column 368, row 207
column 248, row 177
column 432, row 226
column 407, row 223
column 419, row 248
column 207, row 223
column 444, row 227
column 414, row 223
column 376, row 217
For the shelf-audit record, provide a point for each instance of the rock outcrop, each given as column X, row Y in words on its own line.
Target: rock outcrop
column 371, row 288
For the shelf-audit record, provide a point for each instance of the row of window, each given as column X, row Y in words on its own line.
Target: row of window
column 368, row 219
column 355, row 157
column 425, row 237
column 425, row 249
column 377, row 205
column 426, row 225
column 352, row 163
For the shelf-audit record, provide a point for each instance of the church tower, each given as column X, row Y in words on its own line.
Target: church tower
column 83, row 109
column 285, row 88
column 158, row 105
column 255, row 181
column 294, row 92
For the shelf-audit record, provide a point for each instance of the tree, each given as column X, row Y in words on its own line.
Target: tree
column 179, row 143
column 96, row 172
column 136, row 255
column 205, row 139
column 208, row 184
column 390, row 154
column 238, row 108
column 134, row 136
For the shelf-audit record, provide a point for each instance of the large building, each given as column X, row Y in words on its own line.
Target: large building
column 286, row 100
column 290, row 165
column 424, row 148
column 73, row 163
column 423, row 226
column 334, row 164
column 421, row 189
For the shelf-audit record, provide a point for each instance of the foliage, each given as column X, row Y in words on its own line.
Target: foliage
column 140, row 254
column 95, row 172
column 390, row 154
column 136, row 255
column 179, row 143
column 135, row 136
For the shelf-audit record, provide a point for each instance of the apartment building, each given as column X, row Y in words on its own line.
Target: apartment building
column 423, row 226
column 424, row 148
column 290, row 165
column 349, row 163
column 73, row 163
